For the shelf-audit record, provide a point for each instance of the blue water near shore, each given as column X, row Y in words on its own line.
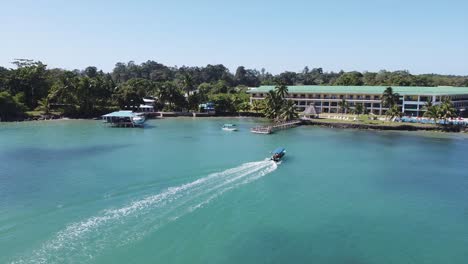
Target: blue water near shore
column 183, row 191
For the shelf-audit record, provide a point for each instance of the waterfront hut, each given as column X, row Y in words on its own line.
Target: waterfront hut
column 309, row 112
column 124, row 119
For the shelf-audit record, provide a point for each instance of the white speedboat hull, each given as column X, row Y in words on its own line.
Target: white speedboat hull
column 138, row 120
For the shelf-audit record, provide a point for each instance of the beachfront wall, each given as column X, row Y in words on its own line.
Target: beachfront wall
column 326, row 98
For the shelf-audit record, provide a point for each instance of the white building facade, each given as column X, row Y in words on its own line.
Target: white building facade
column 326, row 99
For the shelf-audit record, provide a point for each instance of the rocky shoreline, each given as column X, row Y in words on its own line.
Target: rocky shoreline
column 402, row 127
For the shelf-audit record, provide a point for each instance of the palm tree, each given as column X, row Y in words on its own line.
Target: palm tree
column 257, row 105
column 288, row 111
column 389, row 98
column 169, row 94
column 273, row 106
column 429, row 110
column 281, row 89
column 188, row 83
column 44, row 105
column 447, row 110
column 394, row 111
column 358, row 109
column 428, row 104
column 243, row 106
column 444, row 111
column 432, row 112
column 344, row 106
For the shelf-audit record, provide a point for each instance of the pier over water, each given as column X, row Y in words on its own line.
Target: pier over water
column 278, row 126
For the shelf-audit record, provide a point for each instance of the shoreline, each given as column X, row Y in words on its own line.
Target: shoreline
column 402, row 127
column 155, row 115
column 311, row 122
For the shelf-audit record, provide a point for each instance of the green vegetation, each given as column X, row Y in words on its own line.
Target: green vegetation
column 31, row 87
column 344, row 106
column 370, row 120
column 11, row 107
column 443, row 111
column 277, row 107
column 394, row 111
column 258, row 105
column 288, row 111
column 359, row 109
column 391, row 100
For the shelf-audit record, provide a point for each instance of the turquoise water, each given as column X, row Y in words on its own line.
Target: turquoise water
column 184, row 191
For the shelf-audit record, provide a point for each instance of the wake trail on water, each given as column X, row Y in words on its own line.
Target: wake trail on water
column 120, row 226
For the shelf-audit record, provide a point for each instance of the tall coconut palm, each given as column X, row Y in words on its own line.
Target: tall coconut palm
column 281, row 89
column 344, row 106
column 288, row 111
column 273, row 106
column 187, row 83
column 389, row 98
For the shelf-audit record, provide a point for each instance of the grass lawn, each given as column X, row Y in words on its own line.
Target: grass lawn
column 366, row 120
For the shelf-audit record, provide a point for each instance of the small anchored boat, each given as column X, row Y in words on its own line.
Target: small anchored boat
column 278, row 154
column 124, row 119
column 229, row 127
column 139, row 119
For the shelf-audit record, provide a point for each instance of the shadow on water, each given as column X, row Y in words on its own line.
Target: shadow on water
column 45, row 154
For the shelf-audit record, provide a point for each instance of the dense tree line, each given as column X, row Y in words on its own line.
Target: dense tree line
column 30, row 86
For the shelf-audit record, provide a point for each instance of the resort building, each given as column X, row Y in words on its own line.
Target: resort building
column 149, row 100
column 143, row 108
column 148, row 105
column 326, row 99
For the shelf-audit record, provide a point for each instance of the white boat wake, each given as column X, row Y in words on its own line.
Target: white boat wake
column 86, row 239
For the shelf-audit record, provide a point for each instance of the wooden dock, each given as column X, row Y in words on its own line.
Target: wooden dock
column 272, row 128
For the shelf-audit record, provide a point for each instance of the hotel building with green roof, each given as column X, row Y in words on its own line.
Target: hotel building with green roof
column 325, row 99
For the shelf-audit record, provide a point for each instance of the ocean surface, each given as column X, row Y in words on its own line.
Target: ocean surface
column 182, row 190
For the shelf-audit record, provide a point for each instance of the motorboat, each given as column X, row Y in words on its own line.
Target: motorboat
column 278, row 154
column 229, row 127
column 139, row 119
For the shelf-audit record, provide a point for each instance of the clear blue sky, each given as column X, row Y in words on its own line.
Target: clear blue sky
column 420, row 36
